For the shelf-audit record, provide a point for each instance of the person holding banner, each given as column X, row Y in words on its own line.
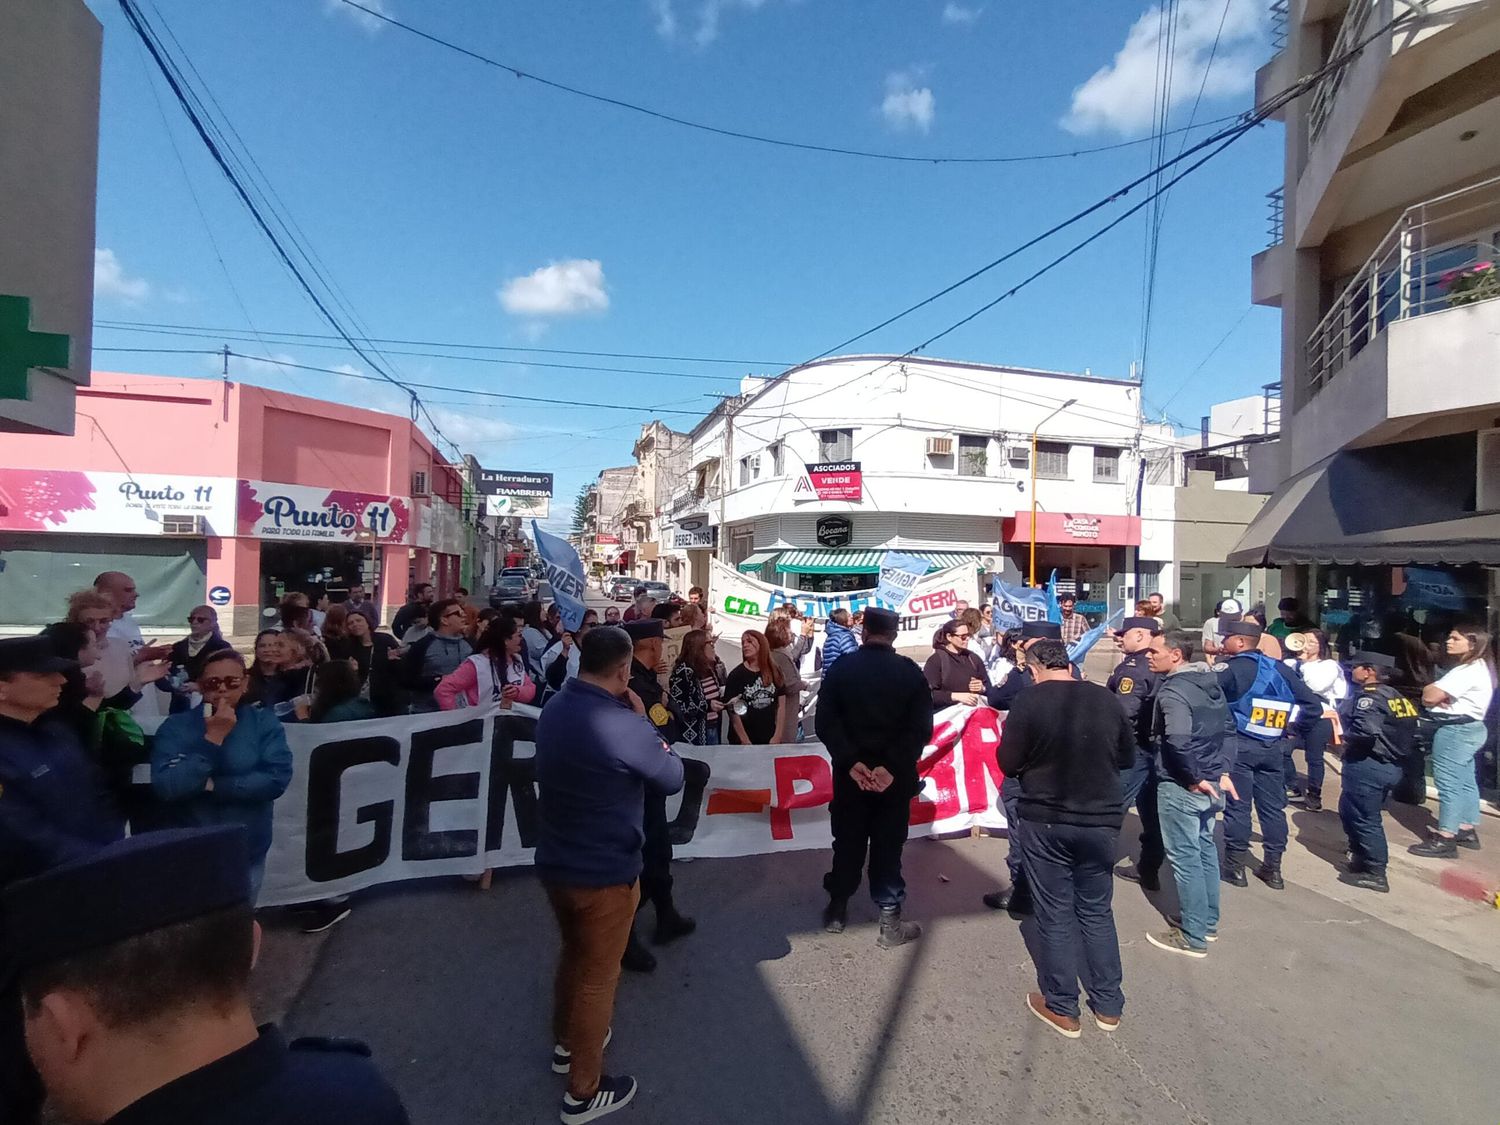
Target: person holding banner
column 495, row 674
column 875, row 718
column 955, row 674
column 757, row 694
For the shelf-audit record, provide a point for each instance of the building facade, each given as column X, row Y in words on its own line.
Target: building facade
column 1386, row 514
column 224, row 493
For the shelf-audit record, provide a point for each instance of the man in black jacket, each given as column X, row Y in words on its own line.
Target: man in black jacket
column 874, row 716
column 1190, row 721
column 1066, row 742
column 1134, row 684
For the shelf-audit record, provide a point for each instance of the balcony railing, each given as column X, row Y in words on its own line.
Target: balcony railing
column 1356, row 19
column 1276, row 215
column 1281, row 21
column 1425, row 263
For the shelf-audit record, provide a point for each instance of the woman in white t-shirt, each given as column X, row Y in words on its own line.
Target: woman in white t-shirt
column 1325, row 677
column 1459, row 700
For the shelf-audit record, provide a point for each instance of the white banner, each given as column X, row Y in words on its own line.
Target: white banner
column 268, row 510
column 738, row 602
column 116, row 503
column 455, row 793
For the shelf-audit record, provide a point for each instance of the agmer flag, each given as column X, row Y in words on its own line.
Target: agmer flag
column 564, row 573
column 899, row 574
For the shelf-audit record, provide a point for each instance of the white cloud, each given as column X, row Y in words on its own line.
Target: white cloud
column 666, row 18
column 111, row 283
column 368, row 23
column 559, row 289
column 708, row 16
column 958, row 14
column 1120, row 97
column 907, row 105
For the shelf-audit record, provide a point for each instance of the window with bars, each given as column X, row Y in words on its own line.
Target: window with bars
column 835, row 445
column 1106, row 465
column 1052, row 460
column 973, row 455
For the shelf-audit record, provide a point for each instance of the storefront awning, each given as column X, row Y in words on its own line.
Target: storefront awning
column 840, row 560
column 1390, row 505
column 942, row 560
column 757, row 560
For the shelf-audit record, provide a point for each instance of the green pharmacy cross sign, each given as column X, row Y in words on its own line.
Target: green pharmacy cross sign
column 21, row 349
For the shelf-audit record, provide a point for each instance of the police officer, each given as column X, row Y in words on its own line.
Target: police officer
column 874, row 716
column 53, row 808
column 1134, row 685
column 1380, row 735
column 649, row 635
column 134, row 965
column 1017, row 897
column 1263, row 694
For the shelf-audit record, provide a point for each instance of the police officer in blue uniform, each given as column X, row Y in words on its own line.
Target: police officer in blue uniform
column 53, row 807
column 134, row 965
column 1017, row 897
column 648, row 636
column 1134, row 685
column 1263, row 695
column 1380, row 735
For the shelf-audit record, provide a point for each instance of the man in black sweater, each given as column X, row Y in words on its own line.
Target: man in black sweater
column 1066, row 742
column 874, row 716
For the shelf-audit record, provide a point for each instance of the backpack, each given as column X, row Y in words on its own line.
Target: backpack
column 1265, row 711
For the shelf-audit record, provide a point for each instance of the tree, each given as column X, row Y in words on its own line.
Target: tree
column 583, row 504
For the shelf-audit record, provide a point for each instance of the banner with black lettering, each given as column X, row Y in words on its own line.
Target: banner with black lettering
column 455, row 793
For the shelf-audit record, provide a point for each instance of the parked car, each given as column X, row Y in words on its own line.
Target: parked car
column 661, row 592
column 521, row 572
column 509, row 588
column 622, row 589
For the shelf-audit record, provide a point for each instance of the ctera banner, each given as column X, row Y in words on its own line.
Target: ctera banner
column 738, row 602
column 455, row 793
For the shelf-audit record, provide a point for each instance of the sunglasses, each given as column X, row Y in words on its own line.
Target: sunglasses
column 959, row 636
column 220, row 683
column 454, row 613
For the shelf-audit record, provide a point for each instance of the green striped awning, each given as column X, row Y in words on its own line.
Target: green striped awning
column 757, row 560
column 851, row 560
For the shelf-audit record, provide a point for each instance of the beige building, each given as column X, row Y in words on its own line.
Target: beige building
column 1387, row 512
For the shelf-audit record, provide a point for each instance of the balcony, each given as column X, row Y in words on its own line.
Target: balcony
column 1268, row 268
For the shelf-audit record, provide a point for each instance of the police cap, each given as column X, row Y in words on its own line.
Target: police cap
column 1041, row 630
column 644, row 628
column 32, row 654
column 126, row 889
column 1249, row 629
column 886, row 622
column 1373, row 660
column 1148, row 623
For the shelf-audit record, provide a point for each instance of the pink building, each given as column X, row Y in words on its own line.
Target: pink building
column 223, row 493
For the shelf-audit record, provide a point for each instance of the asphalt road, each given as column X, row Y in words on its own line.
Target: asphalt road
column 1306, row 1010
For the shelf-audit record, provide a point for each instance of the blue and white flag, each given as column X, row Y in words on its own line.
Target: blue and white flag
column 1015, row 605
column 564, row 574
column 899, row 574
column 1080, row 648
column 1054, row 611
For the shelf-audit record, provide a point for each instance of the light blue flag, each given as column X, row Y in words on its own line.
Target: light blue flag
column 564, row 574
column 1080, row 648
column 1054, row 611
column 1015, row 605
column 899, row 575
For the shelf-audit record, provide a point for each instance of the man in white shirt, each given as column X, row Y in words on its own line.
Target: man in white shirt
column 120, row 588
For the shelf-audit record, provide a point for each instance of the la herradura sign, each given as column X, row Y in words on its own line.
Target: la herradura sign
column 831, row 480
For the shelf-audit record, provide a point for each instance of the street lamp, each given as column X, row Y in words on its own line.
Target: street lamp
column 1034, row 432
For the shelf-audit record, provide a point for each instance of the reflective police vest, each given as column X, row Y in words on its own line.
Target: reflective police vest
column 1266, row 709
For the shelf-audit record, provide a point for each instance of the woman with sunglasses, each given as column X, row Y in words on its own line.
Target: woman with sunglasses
column 494, row 674
column 955, row 674
column 224, row 762
column 437, row 654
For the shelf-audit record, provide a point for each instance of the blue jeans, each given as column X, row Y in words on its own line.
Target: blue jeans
column 1187, row 830
column 1258, row 778
column 1139, row 783
column 1070, row 870
column 1010, row 800
column 257, row 877
column 1367, row 783
column 1313, row 744
column 1454, row 747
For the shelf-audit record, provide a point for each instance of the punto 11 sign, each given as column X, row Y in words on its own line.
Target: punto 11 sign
column 504, row 482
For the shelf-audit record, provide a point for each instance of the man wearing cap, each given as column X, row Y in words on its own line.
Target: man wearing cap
column 1226, row 613
column 53, row 808
column 1263, row 695
column 875, row 717
column 1379, row 737
column 1017, row 897
column 648, row 635
column 1134, row 685
column 134, row 965
column 1073, row 625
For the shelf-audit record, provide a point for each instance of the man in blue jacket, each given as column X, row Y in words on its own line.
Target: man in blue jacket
column 597, row 758
column 1190, row 720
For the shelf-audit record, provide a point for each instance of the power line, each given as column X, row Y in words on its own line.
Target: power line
column 735, row 134
column 1188, row 378
column 145, row 325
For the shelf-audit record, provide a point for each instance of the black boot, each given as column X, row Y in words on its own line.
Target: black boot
column 1312, row 800
column 1371, row 878
column 1232, row 870
column 637, row 959
column 671, row 925
column 1355, row 864
column 1269, row 873
column 893, row 931
column 1148, row 877
column 836, row 915
column 1467, row 838
column 1436, row 847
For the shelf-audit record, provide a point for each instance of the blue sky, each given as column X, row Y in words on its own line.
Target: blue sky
column 452, row 202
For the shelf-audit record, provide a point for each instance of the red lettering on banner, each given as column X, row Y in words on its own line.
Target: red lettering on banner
column 940, row 770
column 931, row 603
column 804, row 767
column 737, row 801
column 981, row 739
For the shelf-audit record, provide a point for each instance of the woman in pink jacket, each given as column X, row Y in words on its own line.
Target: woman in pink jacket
column 494, row 674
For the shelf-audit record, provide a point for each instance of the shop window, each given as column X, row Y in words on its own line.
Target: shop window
column 835, row 445
column 973, row 455
column 1052, row 460
column 1106, row 465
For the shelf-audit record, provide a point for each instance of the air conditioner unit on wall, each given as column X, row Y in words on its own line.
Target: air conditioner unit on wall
column 181, row 525
column 1487, row 471
column 1018, row 454
column 940, row 447
column 419, row 483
